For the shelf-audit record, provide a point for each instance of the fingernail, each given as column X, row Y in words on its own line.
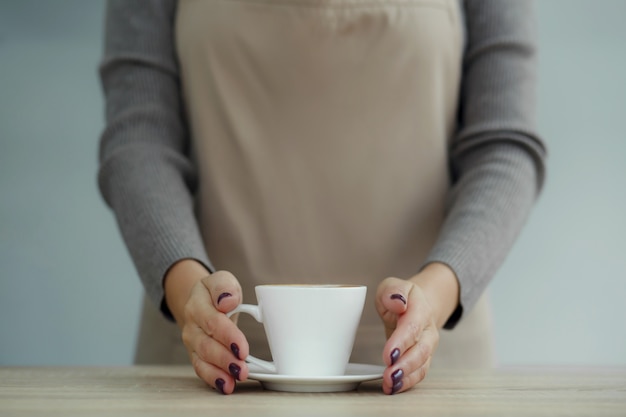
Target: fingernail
column 398, row 297
column 222, row 296
column 395, row 355
column 397, row 376
column 219, row 385
column 396, row 387
column 234, row 370
column 235, row 349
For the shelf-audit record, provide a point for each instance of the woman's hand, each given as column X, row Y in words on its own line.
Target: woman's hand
column 215, row 344
column 413, row 311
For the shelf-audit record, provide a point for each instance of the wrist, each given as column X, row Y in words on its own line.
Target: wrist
column 178, row 283
column 442, row 289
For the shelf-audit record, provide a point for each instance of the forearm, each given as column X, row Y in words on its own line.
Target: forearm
column 145, row 174
column 497, row 158
column 154, row 211
column 488, row 208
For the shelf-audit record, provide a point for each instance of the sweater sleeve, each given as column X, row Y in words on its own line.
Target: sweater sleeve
column 497, row 158
column 145, row 175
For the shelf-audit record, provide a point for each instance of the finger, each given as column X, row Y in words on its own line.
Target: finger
column 391, row 302
column 213, row 352
column 409, row 326
column 411, row 361
column 404, row 381
column 406, row 335
column 215, row 377
column 211, row 318
column 225, row 290
column 392, row 296
column 219, row 327
column 417, row 376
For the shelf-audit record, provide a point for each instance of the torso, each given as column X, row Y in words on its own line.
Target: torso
column 320, row 131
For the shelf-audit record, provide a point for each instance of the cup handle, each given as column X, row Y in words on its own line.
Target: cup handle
column 255, row 312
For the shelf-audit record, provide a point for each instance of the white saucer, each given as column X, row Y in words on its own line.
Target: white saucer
column 355, row 374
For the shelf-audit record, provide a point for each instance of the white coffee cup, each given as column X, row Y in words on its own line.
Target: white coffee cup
column 310, row 328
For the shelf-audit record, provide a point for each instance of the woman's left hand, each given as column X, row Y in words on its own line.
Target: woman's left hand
column 412, row 312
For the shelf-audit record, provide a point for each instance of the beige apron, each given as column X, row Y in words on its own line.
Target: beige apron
column 320, row 129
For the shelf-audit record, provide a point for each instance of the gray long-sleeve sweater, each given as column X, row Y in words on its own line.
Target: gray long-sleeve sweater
column 496, row 157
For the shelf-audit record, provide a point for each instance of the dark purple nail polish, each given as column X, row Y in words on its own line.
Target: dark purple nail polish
column 397, row 376
column 395, row 355
column 396, row 387
column 219, row 385
column 222, row 296
column 235, row 349
column 234, row 370
column 398, row 297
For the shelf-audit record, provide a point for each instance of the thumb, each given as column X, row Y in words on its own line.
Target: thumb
column 224, row 289
column 392, row 296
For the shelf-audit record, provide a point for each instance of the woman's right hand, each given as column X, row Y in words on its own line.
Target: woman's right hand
column 215, row 344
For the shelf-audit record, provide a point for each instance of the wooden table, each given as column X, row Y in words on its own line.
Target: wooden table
column 175, row 391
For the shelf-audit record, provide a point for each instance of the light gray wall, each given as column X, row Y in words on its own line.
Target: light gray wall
column 69, row 293
column 559, row 298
